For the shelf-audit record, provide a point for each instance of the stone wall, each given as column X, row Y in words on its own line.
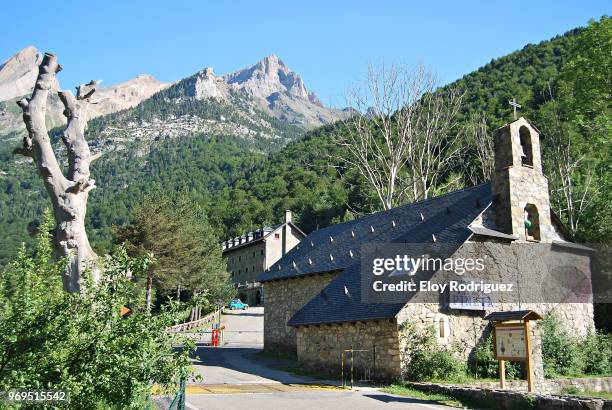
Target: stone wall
column 556, row 386
column 320, row 347
column 515, row 185
column 505, row 399
column 283, row 298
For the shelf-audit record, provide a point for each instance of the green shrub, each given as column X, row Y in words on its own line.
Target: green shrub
column 596, row 352
column 426, row 360
column 559, row 349
column 51, row 339
column 483, row 364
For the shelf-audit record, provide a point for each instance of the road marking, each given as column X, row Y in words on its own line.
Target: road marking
column 255, row 388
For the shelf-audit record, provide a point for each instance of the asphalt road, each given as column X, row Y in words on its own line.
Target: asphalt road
column 237, row 376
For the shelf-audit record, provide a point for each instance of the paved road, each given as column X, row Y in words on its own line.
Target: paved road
column 307, row 400
column 237, row 376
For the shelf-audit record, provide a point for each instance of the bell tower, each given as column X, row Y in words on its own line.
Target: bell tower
column 520, row 188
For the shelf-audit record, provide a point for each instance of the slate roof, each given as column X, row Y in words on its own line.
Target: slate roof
column 446, row 216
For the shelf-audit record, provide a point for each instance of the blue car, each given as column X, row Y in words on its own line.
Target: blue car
column 238, row 304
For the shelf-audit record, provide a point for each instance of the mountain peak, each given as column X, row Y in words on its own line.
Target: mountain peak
column 19, row 72
column 270, row 76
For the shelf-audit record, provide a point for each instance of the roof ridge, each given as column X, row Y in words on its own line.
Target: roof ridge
column 408, row 205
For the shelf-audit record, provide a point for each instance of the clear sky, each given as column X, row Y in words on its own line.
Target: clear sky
column 329, row 43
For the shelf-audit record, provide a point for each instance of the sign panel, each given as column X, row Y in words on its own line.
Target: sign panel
column 510, row 342
column 469, row 301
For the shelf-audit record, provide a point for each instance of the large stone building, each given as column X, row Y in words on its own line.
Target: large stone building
column 252, row 253
column 315, row 307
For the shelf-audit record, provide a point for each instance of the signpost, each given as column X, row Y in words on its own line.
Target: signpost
column 512, row 341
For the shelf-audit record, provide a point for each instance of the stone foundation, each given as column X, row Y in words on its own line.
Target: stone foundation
column 504, row 399
column 556, row 386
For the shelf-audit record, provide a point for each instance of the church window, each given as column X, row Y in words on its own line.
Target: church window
column 532, row 223
column 442, row 328
column 526, row 147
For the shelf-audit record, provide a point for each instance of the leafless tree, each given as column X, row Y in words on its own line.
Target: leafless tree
column 68, row 193
column 571, row 181
column 481, row 142
column 399, row 138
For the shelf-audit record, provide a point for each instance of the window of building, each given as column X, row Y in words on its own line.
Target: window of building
column 276, row 235
column 526, row 147
column 239, row 257
column 253, row 254
column 442, row 328
column 238, row 271
column 246, row 270
column 262, row 251
column 532, row 223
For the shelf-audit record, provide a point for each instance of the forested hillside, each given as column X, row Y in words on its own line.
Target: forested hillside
column 300, row 176
column 242, row 187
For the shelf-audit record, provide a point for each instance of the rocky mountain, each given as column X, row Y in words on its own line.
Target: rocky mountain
column 271, row 86
column 17, row 77
column 18, row 73
column 267, row 105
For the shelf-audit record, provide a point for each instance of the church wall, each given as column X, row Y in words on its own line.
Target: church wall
column 320, row 347
column 283, row 298
column 464, row 329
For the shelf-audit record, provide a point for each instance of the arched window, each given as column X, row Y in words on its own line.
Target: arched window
column 526, row 148
column 442, row 328
column 532, row 223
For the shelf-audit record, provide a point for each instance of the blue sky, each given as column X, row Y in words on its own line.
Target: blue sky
column 329, row 43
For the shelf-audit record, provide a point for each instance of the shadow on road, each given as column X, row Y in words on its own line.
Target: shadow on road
column 395, row 399
column 243, row 365
column 241, row 313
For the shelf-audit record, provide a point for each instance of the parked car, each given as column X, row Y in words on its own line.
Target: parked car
column 238, row 304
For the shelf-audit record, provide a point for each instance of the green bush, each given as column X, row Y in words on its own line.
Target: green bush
column 559, row 349
column 596, row 352
column 483, row 364
column 426, row 360
column 51, row 339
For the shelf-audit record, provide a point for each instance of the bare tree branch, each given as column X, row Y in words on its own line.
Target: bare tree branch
column 399, row 138
column 69, row 193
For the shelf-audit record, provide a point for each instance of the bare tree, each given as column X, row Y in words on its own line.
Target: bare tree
column 68, row 193
column 571, row 181
column 481, row 143
column 399, row 138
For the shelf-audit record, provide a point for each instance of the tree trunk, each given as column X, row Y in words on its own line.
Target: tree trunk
column 69, row 193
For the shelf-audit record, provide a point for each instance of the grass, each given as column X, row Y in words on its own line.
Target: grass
column 401, row 390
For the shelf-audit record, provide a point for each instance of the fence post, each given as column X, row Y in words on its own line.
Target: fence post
column 181, row 404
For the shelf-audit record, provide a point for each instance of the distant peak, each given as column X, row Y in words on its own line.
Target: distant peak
column 273, row 58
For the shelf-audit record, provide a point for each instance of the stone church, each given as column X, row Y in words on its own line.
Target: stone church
column 314, row 303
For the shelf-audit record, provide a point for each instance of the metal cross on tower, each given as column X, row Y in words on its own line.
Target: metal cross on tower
column 514, row 105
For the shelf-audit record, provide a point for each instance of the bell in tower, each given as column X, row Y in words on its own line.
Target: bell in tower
column 522, row 204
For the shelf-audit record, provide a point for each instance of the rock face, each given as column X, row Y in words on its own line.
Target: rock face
column 272, row 87
column 18, row 75
column 126, row 95
column 269, row 87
